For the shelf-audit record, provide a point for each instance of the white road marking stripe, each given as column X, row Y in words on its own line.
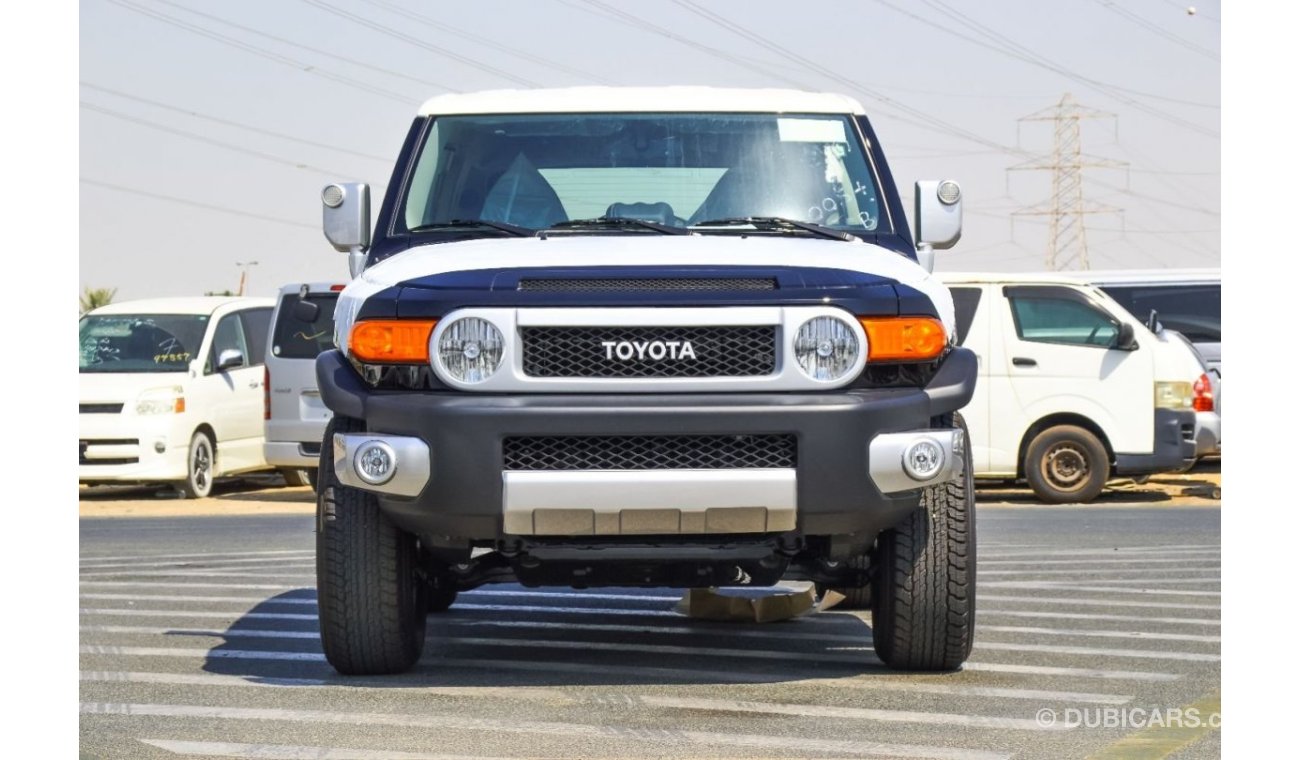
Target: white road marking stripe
column 607, row 733
column 104, row 612
column 475, row 593
column 633, row 700
column 350, row 683
column 133, row 559
column 984, row 561
column 1100, row 634
column 160, row 584
column 1213, row 580
column 985, row 612
column 1136, row 653
column 189, row 568
column 236, row 573
column 231, row 633
column 294, row 752
column 1070, row 586
column 1089, row 573
column 1124, row 551
column 204, row 599
column 1094, row 602
column 1135, row 675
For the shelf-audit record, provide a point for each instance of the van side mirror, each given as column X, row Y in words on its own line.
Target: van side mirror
column 1153, row 322
column 230, row 358
column 304, row 310
column 938, row 215
column 346, row 208
column 1125, row 340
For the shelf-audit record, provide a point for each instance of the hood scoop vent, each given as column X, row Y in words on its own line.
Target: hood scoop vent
column 645, row 284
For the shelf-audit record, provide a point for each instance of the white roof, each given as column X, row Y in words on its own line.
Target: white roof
column 194, row 305
column 1147, row 276
column 640, row 99
column 1018, row 278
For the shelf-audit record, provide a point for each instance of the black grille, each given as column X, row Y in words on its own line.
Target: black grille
column 605, row 285
column 649, row 452
column 583, row 351
column 100, row 408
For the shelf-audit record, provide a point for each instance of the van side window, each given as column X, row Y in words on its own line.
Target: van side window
column 229, row 334
column 1059, row 315
column 257, row 325
column 965, row 301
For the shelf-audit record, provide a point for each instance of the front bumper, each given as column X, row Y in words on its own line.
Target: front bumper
column 123, row 448
column 468, row 495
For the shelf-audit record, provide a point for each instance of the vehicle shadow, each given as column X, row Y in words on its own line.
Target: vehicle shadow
column 257, row 486
column 486, row 641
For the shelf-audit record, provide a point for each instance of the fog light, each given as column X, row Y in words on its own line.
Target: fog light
column 923, row 459
column 375, row 462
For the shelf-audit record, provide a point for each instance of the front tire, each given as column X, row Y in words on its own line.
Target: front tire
column 295, row 476
column 372, row 595
column 923, row 580
column 201, row 467
column 1066, row 463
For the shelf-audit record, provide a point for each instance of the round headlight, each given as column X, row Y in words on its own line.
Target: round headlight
column 826, row 348
column 470, row 349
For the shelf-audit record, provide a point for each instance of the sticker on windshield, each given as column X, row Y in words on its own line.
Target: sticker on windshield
column 811, row 130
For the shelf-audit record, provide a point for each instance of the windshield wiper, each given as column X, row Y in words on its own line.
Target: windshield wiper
column 619, row 222
column 482, row 224
column 775, row 223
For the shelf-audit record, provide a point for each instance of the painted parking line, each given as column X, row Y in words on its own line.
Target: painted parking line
column 146, row 558
column 786, row 681
column 1085, row 602
column 1038, row 614
column 1068, row 586
column 544, row 728
column 1157, row 742
column 296, row 751
column 1102, row 652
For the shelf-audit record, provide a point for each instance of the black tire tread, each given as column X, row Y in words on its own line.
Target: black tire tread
column 371, row 599
column 923, row 605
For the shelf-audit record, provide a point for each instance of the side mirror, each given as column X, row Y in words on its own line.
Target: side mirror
column 1125, row 340
column 346, row 207
column 304, row 310
column 938, row 215
column 230, row 358
column 1153, row 322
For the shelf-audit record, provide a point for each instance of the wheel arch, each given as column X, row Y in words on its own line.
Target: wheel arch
column 1060, row 418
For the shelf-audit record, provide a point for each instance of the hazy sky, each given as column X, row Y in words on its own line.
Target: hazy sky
column 208, row 129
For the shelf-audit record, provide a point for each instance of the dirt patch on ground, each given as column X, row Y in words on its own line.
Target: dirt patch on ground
column 1199, row 486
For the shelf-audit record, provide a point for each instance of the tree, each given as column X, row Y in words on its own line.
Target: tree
column 93, row 298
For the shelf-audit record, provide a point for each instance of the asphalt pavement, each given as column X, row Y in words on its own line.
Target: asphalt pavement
column 1097, row 635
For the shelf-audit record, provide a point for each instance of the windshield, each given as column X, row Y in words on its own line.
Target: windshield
column 1193, row 310
column 535, row 171
column 140, row 342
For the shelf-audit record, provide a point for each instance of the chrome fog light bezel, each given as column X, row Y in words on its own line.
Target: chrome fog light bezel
column 385, row 450
column 939, row 458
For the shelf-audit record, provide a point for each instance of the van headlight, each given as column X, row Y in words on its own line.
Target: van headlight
column 470, row 349
column 161, row 401
column 826, row 348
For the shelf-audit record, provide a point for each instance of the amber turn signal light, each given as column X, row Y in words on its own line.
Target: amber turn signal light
column 392, row 341
column 903, row 338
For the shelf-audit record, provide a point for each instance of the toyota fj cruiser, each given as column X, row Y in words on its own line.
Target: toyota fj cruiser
column 643, row 337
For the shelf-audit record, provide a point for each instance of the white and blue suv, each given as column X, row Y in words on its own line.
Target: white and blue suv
column 667, row 336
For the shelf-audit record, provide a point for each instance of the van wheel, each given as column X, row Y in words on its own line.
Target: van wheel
column 372, row 595
column 923, row 580
column 201, row 467
column 295, row 476
column 858, row 598
column 1066, row 463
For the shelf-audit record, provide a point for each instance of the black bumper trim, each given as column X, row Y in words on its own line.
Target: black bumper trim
column 1174, row 448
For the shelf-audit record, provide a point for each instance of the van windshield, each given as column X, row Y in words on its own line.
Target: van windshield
column 677, row 169
column 296, row 339
column 140, row 342
column 1192, row 309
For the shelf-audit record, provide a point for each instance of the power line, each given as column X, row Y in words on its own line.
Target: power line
column 1012, row 48
column 206, row 139
column 261, row 52
column 485, row 41
column 329, row 54
column 229, row 123
column 196, row 204
column 1157, row 29
column 417, row 42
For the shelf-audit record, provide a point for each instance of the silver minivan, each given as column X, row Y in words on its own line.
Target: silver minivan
column 301, row 327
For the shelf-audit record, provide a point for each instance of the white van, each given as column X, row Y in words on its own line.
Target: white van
column 171, row 391
column 301, row 327
column 1072, row 388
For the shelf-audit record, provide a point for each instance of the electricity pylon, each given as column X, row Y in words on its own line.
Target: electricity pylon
column 1067, row 239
